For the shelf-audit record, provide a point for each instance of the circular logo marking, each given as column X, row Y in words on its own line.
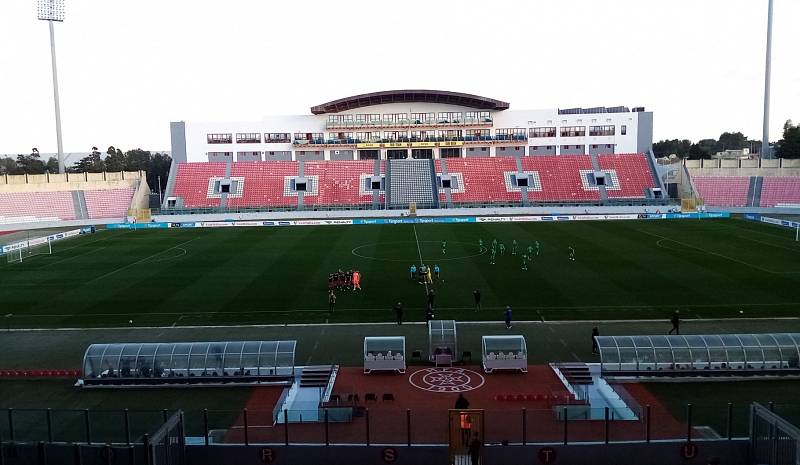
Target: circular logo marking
column 446, row 379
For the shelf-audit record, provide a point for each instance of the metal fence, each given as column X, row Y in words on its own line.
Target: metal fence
column 773, row 440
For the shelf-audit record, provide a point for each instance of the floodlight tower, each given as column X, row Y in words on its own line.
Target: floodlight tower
column 53, row 10
column 767, row 72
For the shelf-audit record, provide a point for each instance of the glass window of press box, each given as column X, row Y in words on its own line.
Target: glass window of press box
column 188, row 359
column 700, row 352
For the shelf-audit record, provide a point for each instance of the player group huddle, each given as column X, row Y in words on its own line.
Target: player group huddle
column 344, row 280
column 527, row 255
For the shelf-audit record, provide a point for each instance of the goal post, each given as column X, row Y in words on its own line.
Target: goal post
column 29, row 250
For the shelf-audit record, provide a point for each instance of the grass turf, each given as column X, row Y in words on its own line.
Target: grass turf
column 624, row 269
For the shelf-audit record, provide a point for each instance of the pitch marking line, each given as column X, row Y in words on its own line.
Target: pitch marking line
column 549, row 324
column 723, row 256
column 419, row 251
column 575, row 307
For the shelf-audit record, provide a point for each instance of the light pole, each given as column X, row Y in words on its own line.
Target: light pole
column 53, row 10
column 767, row 72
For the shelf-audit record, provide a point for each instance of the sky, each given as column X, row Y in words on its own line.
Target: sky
column 128, row 68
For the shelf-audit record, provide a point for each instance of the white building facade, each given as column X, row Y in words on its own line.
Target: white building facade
column 416, row 124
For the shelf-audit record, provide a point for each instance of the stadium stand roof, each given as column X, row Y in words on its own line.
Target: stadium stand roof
column 409, row 95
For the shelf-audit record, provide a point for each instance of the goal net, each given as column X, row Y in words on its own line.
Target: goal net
column 33, row 247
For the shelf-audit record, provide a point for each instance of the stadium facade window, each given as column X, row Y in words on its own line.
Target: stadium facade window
column 248, row 138
column 477, row 116
column 277, row 137
column 374, row 118
column 219, row 138
column 340, row 119
column 450, row 134
column 449, row 117
column 368, row 136
column 340, row 136
column 423, row 118
column 623, row 130
column 395, row 118
column 217, row 155
column 422, row 136
column 543, row 132
column 478, row 133
column 602, row 130
column 395, row 135
column 573, row 131
column 361, row 119
column 309, row 136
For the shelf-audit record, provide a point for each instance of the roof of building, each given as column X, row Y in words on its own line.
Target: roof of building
column 409, row 95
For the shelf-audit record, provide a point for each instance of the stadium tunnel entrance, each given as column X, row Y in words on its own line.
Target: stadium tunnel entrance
column 396, row 154
column 425, row 154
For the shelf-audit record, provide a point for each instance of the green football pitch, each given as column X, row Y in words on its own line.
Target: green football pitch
column 622, row 270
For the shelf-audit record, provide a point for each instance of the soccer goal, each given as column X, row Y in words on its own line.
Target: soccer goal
column 30, row 250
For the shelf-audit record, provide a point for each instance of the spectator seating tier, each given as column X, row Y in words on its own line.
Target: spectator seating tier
column 265, row 184
column 633, row 173
column 484, row 180
column 108, row 203
column 560, row 177
column 723, row 191
column 780, row 190
column 192, row 183
column 340, row 182
column 46, row 205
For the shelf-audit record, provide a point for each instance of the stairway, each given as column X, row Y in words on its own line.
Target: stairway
column 410, row 181
column 575, row 373
column 316, row 376
column 596, row 167
column 79, row 203
column 754, row 191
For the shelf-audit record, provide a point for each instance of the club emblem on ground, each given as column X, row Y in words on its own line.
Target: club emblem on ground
column 446, row 380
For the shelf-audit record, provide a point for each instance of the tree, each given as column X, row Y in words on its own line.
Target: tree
column 115, row 159
column 665, row 148
column 137, row 159
column 7, row 165
column 789, row 146
column 158, row 168
column 29, row 164
column 731, row 141
column 92, row 163
column 52, row 165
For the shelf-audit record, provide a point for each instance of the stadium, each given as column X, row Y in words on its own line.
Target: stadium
column 118, row 314
column 408, row 276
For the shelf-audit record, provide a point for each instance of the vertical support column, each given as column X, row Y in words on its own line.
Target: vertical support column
column 49, row 425
column 730, row 421
column 524, row 426
column 128, row 427
column 408, row 425
column 327, row 432
column 246, row 428
column 606, row 425
column 11, row 424
column 286, row 427
column 565, row 426
column 366, row 418
column 688, row 422
column 88, row 425
column 767, row 77
column 205, row 426
column 647, row 424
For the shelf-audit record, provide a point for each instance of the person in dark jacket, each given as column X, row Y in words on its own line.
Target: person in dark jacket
column 461, row 403
column 676, row 322
column 477, row 295
column 398, row 311
column 475, row 447
column 595, row 347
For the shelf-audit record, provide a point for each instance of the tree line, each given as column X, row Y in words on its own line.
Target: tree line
column 155, row 164
column 787, row 147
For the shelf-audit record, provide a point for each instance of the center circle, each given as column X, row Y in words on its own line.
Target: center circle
column 446, row 380
column 410, row 251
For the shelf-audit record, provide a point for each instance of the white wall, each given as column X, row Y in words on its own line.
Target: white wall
column 196, row 146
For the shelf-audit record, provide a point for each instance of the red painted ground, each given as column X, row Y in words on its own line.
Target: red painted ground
column 503, row 419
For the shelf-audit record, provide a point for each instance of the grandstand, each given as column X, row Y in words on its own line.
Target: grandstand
column 78, row 197
column 483, row 154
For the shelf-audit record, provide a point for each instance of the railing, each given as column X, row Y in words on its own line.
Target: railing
column 466, row 139
column 407, row 123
